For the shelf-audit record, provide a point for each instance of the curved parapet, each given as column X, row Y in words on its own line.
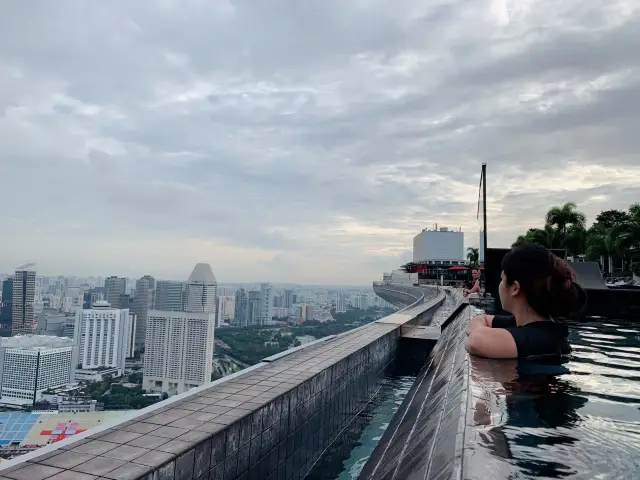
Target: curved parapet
column 401, row 296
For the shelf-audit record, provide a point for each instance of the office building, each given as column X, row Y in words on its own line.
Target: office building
column 202, row 290
column 341, row 303
column 179, row 351
column 114, row 287
column 169, row 296
column 226, row 309
column 253, row 308
column 6, row 305
column 130, row 348
column 266, row 304
column 31, row 364
column 287, row 299
column 242, row 308
column 101, row 333
column 24, row 285
column 142, row 303
column 92, row 296
column 439, row 247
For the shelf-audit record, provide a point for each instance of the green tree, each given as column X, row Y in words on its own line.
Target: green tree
column 547, row 237
column 564, row 216
column 473, row 255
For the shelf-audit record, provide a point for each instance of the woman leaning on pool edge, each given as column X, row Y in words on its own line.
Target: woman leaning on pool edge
column 536, row 288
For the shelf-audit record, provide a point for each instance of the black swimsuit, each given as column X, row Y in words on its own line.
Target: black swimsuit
column 536, row 339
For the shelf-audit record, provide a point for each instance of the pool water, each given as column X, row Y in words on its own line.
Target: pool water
column 579, row 420
column 344, row 459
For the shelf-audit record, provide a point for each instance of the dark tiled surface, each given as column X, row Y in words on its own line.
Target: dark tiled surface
column 271, row 422
column 425, row 438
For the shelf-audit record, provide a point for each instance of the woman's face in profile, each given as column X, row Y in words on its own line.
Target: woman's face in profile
column 504, row 291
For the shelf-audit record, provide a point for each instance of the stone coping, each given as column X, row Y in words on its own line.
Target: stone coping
column 144, row 442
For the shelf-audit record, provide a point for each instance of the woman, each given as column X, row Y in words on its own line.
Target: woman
column 474, row 286
column 536, row 288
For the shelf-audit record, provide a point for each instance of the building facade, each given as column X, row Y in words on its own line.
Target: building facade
column 22, row 314
column 6, row 306
column 202, row 290
column 265, row 317
column 179, row 351
column 142, row 303
column 440, row 247
column 101, row 333
column 226, row 309
column 114, row 287
column 31, row 364
column 169, row 296
column 242, row 308
column 253, row 307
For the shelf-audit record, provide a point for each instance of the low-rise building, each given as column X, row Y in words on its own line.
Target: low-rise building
column 31, row 364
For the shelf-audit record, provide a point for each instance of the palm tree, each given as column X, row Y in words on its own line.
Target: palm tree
column 473, row 255
column 547, row 237
column 562, row 217
column 602, row 242
column 627, row 234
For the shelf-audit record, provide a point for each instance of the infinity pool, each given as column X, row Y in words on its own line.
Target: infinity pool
column 579, row 420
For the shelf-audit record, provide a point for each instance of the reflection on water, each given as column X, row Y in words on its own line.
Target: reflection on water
column 347, row 455
column 581, row 419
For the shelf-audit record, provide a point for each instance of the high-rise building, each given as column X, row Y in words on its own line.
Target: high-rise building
column 24, row 285
column 114, row 287
column 226, row 309
column 242, row 308
column 179, row 351
column 91, row 296
column 287, row 300
column 169, row 296
column 142, row 303
column 266, row 304
column 6, row 307
column 130, row 349
column 101, row 333
column 31, row 364
column 341, row 303
column 202, row 290
column 253, row 308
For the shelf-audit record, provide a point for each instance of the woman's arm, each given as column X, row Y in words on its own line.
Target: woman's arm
column 475, row 288
column 479, row 321
column 492, row 343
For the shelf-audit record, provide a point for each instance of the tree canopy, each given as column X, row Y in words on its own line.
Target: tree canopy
column 615, row 234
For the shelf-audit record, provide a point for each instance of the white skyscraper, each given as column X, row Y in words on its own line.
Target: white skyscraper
column 179, row 345
column 265, row 315
column 179, row 351
column 226, row 309
column 202, row 290
column 102, row 336
column 31, row 364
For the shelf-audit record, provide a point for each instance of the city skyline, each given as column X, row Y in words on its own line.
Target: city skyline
column 305, row 144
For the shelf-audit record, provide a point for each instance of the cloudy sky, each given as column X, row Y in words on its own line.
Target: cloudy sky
column 304, row 141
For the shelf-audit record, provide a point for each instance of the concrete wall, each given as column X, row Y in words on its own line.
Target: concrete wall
column 270, row 421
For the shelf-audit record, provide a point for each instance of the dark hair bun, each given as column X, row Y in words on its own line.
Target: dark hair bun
column 548, row 282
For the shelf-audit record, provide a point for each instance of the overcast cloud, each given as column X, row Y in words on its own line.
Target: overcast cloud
column 303, row 141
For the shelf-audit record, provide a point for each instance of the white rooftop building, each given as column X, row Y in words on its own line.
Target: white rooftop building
column 439, row 246
column 102, row 334
column 178, row 351
column 31, row 364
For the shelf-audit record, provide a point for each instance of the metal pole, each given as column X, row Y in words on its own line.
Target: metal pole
column 484, row 217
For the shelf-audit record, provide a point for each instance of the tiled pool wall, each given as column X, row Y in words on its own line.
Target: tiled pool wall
column 271, row 422
column 425, row 438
